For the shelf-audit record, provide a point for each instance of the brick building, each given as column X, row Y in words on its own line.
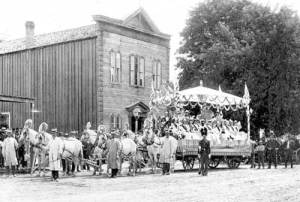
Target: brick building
column 100, row 73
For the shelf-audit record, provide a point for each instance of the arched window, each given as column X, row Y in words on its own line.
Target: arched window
column 156, row 74
column 115, row 121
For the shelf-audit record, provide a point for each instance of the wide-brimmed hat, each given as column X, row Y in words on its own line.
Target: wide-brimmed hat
column 54, row 130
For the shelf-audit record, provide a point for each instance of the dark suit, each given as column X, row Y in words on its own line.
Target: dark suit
column 204, row 151
column 272, row 147
column 288, row 147
column 203, row 131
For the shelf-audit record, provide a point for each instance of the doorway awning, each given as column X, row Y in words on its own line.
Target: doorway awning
column 142, row 106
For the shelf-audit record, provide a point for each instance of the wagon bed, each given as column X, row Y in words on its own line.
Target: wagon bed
column 187, row 153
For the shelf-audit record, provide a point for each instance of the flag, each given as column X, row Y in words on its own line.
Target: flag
column 246, row 93
column 220, row 88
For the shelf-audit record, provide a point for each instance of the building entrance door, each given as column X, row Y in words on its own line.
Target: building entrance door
column 139, row 123
column 137, row 113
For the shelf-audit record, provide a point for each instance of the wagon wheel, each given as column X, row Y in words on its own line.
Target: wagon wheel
column 233, row 163
column 213, row 163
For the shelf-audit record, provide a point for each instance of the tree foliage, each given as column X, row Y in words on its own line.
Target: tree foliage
column 233, row 42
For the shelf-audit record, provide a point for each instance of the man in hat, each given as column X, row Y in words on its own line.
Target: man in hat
column 55, row 154
column 288, row 147
column 272, row 148
column 260, row 149
column 113, row 157
column 10, row 146
column 204, row 155
column 203, row 129
column 86, row 147
column 253, row 144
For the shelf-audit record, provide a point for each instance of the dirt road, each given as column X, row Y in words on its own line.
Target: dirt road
column 242, row 184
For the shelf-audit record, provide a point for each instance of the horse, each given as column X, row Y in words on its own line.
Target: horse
column 98, row 151
column 153, row 144
column 29, row 138
column 72, row 151
column 94, row 145
column 130, row 153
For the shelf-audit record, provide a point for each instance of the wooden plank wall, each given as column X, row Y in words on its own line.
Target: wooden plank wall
column 62, row 78
column 14, row 80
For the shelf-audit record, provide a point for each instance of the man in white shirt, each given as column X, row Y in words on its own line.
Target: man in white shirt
column 55, row 152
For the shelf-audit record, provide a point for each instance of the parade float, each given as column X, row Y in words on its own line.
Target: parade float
column 170, row 107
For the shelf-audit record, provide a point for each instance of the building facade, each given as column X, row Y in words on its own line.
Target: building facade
column 102, row 73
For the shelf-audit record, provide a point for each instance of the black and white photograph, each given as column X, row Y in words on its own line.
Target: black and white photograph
column 149, row 100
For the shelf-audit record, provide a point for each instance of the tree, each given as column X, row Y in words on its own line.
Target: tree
column 233, row 42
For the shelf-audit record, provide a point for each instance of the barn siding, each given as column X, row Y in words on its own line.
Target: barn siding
column 62, row 79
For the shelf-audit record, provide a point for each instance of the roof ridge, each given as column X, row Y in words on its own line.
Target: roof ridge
column 48, row 33
column 50, row 38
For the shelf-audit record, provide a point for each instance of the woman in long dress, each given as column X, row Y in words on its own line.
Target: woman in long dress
column 9, row 152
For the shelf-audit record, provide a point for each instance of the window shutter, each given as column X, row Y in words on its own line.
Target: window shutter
column 154, row 74
column 158, row 74
column 118, row 68
column 112, row 66
column 112, row 121
column 142, row 71
column 136, row 70
column 131, row 61
column 117, row 122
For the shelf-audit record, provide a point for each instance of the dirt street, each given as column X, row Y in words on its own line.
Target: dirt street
column 222, row 184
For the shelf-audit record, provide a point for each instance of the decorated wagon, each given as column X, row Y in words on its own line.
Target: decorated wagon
column 228, row 145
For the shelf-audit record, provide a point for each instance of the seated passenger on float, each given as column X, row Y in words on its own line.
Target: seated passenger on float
column 224, row 136
column 215, row 134
column 209, row 125
column 229, row 134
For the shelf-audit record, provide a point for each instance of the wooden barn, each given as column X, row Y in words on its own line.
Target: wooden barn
column 98, row 73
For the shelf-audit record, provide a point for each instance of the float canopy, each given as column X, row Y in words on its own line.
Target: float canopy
column 205, row 97
column 202, row 94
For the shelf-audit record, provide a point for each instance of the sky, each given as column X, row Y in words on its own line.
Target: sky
column 54, row 15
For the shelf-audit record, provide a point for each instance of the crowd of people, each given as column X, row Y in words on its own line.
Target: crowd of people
column 274, row 150
column 107, row 146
